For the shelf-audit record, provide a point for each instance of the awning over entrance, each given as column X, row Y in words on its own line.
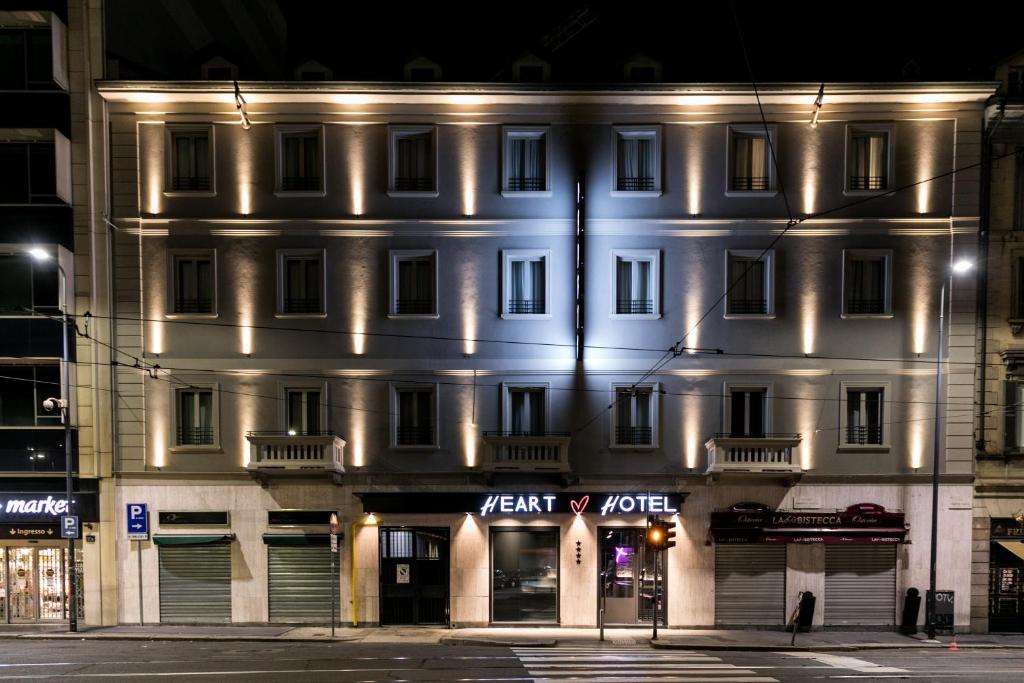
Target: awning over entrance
column 207, row 539
column 1015, row 547
column 296, row 539
column 756, row 523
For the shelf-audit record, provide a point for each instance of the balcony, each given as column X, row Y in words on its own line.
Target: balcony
column 634, row 306
column 768, row 454
column 284, row 453
column 633, row 436
column 527, row 306
column 751, row 184
column 526, row 452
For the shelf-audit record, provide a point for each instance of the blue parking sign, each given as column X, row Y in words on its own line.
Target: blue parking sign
column 69, row 526
column 138, row 522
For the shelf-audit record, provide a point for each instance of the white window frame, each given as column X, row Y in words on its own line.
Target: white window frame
column 653, row 255
column 506, row 403
column 636, row 131
column 396, row 132
column 394, row 257
column 510, row 255
column 175, row 391
column 869, row 127
column 172, row 281
column 751, row 130
column 280, row 131
column 886, row 389
column 282, row 256
column 284, row 388
column 729, row 387
column 654, row 388
column 395, row 388
column 769, row 283
column 509, row 133
column 886, row 256
column 169, row 164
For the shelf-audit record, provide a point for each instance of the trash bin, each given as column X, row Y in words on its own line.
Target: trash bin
column 911, row 608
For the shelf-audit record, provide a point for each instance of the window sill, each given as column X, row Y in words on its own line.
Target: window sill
column 413, row 316
column 633, row 447
column 525, row 316
column 867, row 316
column 300, row 193
column 748, row 316
column 865, row 448
column 635, row 316
column 187, row 193
column 636, row 193
column 525, row 194
column 413, row 194
column 190, row 316
column 751, row 193
column 205, row 448
column 292, row 316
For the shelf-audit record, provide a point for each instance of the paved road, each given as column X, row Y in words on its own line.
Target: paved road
column 198, row 661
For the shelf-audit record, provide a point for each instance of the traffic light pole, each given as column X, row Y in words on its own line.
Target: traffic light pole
column 654, row 635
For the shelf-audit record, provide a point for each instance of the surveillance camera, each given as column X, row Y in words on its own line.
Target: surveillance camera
column 50, row 404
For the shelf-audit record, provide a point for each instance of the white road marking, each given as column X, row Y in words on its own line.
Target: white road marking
column 851, row 663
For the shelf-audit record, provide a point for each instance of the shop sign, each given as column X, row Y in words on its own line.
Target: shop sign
column 46, row 508
column 29, row 531
column 756, row 523
column 529, row 503
column 1007, row 528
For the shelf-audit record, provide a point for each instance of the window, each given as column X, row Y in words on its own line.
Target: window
column 415, row 415
column 413, row 283
column 868, row 158
column 746, row 411
column 23, row 388
column 304, row 410
column 1014, row 425
column 412, row 160
column 26, row 59
column 526, row 161
column 524, row 585
column 28, row 173
column 194, row 277
column 1015, row 81
column 1018, row 190
column 635, row 291
column 525, row 409
column 867, row 282
column 526, row 283
column 1017, row 297
column 28, row 285
column 863, row 415
column 196, row 416
column 637, row 161
column 750, row 160
column 300, row 161
column 634, row 417
column 749, row 284
column 191, row 157
column 301, row 283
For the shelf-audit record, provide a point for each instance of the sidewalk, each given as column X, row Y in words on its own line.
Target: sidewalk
column 688, row 639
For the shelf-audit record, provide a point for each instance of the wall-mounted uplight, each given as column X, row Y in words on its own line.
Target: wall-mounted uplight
column 817, row 106
column 240, row 106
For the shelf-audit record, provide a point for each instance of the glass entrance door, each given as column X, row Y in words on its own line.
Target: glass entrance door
column 33, row 585
column 21, row 581
column 626, row 578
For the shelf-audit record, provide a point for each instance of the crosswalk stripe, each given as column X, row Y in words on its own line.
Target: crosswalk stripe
column 630, row 665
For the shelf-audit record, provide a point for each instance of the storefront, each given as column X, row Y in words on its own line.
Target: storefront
column 627, row 591
column 414, row 568
column 860, row 560
column 1006, row 576
column 195, row 578
column 34, row 576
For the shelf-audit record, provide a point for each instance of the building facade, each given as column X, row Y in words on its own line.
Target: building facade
column 495, row 327
column 46, row 141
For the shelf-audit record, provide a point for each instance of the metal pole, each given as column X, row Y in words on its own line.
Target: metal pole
column 604, row 591
column 138, row 553
column 68, row 460
column 930, row 602
column 657, row 555
column 334, row 590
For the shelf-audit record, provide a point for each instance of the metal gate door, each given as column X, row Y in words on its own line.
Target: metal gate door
column 195, row 583
column 860, row 585
column 750, row 584
column 413, row 575
column 300, row 583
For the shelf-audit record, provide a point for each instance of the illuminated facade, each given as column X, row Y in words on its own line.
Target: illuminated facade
column 370, row 299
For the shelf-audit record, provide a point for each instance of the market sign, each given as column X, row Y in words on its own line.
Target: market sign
column 46, row 508
column 757, row 523
column 490, row 504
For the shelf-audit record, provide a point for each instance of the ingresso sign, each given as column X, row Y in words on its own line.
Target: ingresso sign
column 531, row 503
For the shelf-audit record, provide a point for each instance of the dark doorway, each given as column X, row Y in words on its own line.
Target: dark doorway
column 1006, row 587
column 413, row 576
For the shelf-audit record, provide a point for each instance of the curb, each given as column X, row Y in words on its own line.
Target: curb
column 660, row 645
column 172, row 637
column 487, row 642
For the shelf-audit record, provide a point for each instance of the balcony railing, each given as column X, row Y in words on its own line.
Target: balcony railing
column 634, row 306
column 302, row 305
column 748, row 307
column 195, row 436
column 414, row 436
column 414, row 184
column 526, row 185
column 526, row 452
column 633, row 436
column 750, row 183
column 771, row 453
column 868, row 182
column 193, row 306
column 288, row 453
column 638, row 184
column 190, row 184
column 414, row 306
column 863, row 435
column 295, row 183
column 861, row 306
column 526, row 306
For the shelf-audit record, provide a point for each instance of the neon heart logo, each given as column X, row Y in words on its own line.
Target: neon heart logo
column 578, row 506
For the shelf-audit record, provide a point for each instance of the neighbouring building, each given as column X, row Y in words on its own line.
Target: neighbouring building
column 452, row 313
column 48, row 174
column 997, row 601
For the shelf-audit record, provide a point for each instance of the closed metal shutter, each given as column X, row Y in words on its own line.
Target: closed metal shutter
column 860, row 585
column 300, row 583
column 750, row 584
column 195, row 584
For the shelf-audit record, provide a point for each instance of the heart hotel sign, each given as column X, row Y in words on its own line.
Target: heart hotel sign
column 490, row 504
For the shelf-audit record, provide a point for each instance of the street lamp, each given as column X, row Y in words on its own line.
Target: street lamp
column 959, row 267
column 64, row 404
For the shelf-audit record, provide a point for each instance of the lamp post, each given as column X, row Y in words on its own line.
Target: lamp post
column 65, row 410
column 959, row 268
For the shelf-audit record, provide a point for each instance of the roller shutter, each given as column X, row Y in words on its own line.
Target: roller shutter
column 750, row 584
column 195, row 583
column 860, row 585
column 300, row 583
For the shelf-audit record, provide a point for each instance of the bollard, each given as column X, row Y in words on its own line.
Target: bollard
column 911, row 608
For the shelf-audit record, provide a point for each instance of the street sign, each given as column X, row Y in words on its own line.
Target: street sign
column 69, row 526
column 138, row 522
column 334, row 543
column 401, row 573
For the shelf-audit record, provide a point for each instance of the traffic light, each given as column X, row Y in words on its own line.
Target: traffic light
column 660, row 535
column 670, row 534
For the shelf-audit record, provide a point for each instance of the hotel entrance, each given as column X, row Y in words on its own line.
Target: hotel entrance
column 626, row 578
column 33, row 584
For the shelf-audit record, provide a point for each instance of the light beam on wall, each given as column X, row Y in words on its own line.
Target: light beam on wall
column 356, row 170
column 357, row 422
column 693, row 171
column 243, row 171
column 691, row 429
column 467, row 168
